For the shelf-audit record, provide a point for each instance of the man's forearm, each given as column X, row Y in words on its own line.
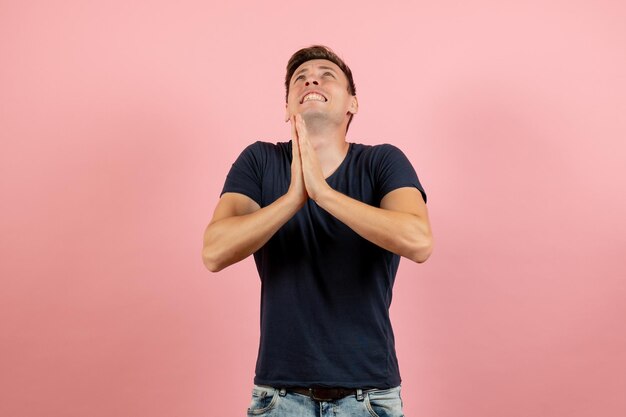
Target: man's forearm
column 229, row 240
column 405, row 234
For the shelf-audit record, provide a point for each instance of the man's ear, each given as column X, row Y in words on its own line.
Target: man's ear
column 354, row 105
column 287, row 115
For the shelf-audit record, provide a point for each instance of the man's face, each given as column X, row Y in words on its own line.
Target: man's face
column 318, row 89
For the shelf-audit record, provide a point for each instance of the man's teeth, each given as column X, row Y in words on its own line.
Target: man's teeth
column 314, row 96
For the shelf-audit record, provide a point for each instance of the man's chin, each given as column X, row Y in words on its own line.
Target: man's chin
column 314, row 117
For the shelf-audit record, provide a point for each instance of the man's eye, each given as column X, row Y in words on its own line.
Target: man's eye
column 329, row 73
column 299, row 77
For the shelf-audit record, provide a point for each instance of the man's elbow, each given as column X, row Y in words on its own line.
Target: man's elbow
column 422, row 249
column 210, row 260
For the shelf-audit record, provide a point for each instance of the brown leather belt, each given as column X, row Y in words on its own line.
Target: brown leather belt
column 326, row 394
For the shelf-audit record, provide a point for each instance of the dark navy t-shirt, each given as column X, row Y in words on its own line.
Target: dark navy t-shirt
column 325, row 291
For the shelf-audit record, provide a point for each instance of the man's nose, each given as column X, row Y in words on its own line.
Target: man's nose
column 311, row 82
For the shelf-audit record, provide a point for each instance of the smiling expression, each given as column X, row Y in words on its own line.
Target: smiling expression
column 320, row 87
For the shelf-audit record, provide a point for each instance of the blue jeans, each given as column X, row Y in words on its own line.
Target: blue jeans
column 273, row 402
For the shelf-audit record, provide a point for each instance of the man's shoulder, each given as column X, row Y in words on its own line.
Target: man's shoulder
column 268, row 147
column 262, row 150
column 376, row 150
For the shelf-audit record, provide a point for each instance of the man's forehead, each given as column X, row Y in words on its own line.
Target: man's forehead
column 317, row 63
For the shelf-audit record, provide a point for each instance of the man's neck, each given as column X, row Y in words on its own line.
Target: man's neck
column 330, row 146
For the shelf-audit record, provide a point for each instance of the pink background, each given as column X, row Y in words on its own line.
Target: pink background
column 119, row 121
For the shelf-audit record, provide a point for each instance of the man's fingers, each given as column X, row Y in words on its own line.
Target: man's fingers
column 294, row 133
column 303, row 140
column 295, row 143
column 300, row 125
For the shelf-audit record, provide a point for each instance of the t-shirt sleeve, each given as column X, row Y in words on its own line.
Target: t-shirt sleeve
column 394, row 170
column 246, row 174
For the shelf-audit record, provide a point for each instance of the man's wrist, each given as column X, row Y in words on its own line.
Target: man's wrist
column 295, row 199
column 324, row 195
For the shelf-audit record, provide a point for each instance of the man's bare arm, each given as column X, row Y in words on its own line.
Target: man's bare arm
column 400, row 225
column 240, row 226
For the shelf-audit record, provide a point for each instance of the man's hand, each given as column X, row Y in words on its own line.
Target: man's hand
column 312, row 174
column 296, row 187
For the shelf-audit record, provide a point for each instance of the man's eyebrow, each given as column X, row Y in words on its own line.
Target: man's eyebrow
column 299, row 72
column 320, row 67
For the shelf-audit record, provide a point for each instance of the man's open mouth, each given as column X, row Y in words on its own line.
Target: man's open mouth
column 313, row 96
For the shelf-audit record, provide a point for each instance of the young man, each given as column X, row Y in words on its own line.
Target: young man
column 327, row 221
